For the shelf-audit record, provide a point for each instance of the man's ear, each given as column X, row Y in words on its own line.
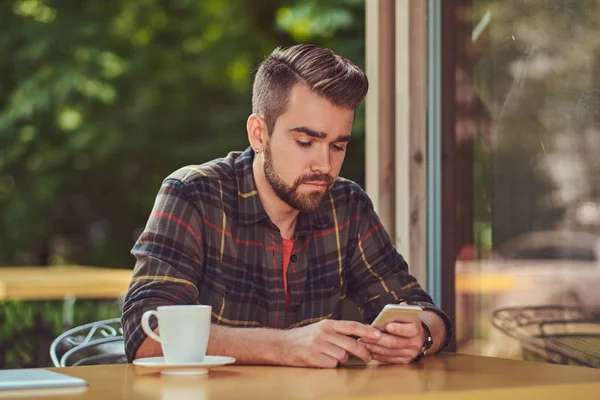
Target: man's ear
column 257, row 130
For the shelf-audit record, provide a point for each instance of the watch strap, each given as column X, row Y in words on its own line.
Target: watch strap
column 427, row 343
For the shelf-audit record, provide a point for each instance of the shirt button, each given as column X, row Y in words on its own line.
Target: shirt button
column 293, row 258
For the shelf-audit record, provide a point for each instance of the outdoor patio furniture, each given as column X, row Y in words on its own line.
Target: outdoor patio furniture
column 555, row 334
column 98, row 342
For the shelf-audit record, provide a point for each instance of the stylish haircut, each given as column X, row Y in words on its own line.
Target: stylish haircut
column 327, row 74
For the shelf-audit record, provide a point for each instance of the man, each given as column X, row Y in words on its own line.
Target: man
column 274, row 240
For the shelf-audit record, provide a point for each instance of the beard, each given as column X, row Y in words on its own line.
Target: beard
column 290, row 194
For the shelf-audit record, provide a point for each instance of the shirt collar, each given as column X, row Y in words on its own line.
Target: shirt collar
column 251, row 210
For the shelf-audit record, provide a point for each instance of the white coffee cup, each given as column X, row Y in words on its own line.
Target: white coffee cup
column 184, row 332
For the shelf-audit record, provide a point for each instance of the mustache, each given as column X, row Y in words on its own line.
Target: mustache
column 328, row 179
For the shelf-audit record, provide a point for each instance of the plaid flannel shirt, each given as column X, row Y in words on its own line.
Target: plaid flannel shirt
column 209, row 241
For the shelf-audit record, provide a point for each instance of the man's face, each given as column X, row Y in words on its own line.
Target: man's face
column 305, row 151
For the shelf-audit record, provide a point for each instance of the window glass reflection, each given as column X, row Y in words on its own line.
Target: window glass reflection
column 527, row 101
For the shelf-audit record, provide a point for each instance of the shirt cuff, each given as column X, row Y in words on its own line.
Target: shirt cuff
column 133, row 333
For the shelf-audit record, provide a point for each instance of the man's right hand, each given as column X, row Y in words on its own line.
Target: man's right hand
column 326, row 344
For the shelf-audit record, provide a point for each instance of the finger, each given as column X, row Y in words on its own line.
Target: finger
column 349, row 345
column 353, row 328
column 404, row 329
column 381, row 351
column 393, row 342
column 394, row 360
column 334, row 351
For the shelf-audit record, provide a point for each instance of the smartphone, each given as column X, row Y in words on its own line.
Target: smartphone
column 397, row 313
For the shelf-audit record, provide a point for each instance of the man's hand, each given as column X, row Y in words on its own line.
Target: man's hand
column 326, row 344
column 400, row 345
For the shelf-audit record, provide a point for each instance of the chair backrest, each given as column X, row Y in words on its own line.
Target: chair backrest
column 99, row 342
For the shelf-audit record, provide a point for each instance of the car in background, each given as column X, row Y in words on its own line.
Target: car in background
column 558, row 267
column 551, row 245
column 538, row 268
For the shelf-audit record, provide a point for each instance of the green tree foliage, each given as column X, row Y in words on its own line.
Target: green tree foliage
column 100, row 100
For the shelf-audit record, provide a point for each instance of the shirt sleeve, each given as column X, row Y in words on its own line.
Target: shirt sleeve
column 380, row 275
column 169, row 260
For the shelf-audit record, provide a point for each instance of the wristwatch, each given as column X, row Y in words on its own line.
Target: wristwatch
column 426, row 344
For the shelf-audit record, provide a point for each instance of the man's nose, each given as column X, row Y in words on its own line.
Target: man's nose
column 322, row 161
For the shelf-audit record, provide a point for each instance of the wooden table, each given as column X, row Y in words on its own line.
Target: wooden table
column 58, row 282
column 446, row 376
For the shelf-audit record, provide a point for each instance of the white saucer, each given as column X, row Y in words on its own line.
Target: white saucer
column 183, row 369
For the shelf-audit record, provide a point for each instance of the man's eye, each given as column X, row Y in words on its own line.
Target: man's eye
column 337, row 147
column 304, row 144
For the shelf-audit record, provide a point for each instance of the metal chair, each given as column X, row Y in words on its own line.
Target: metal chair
column 95, row 343
column 555, row 334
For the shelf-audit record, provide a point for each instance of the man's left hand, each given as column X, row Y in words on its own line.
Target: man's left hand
column 400, row 345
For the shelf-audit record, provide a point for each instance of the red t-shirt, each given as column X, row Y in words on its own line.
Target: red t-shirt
column 287, row 253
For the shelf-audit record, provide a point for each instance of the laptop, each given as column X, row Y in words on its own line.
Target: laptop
column 36, row 379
